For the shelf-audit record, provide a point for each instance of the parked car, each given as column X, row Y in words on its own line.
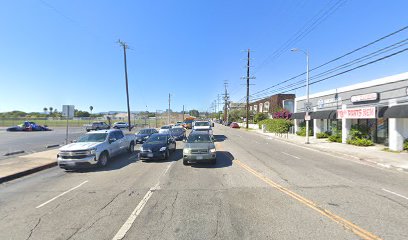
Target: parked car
column 234, row 125
column 144, row 134
column 119, row 125
column 96, row 126
column 165, row 129
column 158, row 146
column 95, row 148
column 178, row 134
column 28, row 126
column 199, row 147
column 227, row 123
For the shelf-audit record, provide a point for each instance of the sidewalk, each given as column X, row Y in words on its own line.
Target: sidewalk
column 15, row 167
column 374, row 155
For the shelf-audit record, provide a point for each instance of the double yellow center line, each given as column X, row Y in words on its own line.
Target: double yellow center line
column 347, row 224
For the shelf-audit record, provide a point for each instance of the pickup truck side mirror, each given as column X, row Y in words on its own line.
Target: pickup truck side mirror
column 111, row 140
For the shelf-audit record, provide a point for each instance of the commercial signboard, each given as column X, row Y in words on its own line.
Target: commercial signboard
column 356, row 113
column 329, row 102
column 364, row 97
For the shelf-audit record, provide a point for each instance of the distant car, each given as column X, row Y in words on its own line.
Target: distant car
column 199, row 147
column 96, row 126
column 158, row 146
column 119, row 125
column 165, row 129
column 144, row 134
column 178, row 134
column 202, row 126
column 28, row 126
column 234, row 125
column 227, row 123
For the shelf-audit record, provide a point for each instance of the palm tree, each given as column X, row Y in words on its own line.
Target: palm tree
column 45, row 109
column 51, row 108
column 91, row 108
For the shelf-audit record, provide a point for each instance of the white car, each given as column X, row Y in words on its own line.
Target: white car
column 165, row 129
column 202, row 126
column 119, row 125
column 95, row 148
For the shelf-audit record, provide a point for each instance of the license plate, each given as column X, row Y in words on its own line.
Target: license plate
column 199, row 157
column 70, row 163
column 150, row 154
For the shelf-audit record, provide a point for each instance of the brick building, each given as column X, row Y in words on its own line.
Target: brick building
column 270, row 104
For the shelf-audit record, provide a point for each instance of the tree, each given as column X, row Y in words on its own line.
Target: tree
column 90, row 108
column 79, row 113
column 259, row 117
column 50, row 108
column 194, row 113
column 45, row 109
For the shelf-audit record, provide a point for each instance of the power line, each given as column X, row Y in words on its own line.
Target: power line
column 338, row 58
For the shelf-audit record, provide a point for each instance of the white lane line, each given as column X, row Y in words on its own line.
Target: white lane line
column 396, row 194
column 52, row 199
column 129, row 222
column 291, row 155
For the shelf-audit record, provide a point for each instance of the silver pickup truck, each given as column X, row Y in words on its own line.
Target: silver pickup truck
column 95, row 148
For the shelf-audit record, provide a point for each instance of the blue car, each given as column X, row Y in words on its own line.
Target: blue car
column 179, row 134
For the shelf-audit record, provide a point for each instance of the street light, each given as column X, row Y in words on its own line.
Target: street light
column 307, row 105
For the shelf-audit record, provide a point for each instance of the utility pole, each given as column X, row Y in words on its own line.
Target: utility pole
column 183, row 114
column 125, row 46
column 168, row 112
column 248, row 66
column 226, row 98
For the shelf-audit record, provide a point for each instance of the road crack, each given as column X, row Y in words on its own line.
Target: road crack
column 33, row 229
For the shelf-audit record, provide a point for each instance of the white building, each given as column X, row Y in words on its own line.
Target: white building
column 381, row 105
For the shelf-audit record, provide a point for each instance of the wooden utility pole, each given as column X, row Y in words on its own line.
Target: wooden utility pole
column 125, row 46
column 247, row 83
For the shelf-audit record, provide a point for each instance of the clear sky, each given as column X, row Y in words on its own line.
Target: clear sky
column 65, row 52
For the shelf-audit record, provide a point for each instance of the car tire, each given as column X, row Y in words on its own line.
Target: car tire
column 131, row 148
column 185, row 162
column 167, row 154
column 175, row 147
column 103, row 160
column 87, row 130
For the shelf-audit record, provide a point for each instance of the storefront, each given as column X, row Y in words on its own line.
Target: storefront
column 379, row 106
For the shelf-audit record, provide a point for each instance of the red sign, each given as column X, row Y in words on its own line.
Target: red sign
column 356, row 113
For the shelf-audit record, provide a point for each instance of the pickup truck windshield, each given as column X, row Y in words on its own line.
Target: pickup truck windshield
column 94, row 137
column 199, row 138
column 202, row 124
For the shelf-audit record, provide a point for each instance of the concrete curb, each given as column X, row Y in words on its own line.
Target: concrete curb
column 52, row 146
column 27, row 172
column 13, row 153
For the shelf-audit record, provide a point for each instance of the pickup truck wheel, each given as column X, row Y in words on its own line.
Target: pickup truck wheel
column 131, row 148
column 103, row 160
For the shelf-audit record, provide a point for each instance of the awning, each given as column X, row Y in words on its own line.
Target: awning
column 381, row 111
column 398, row 111
column 298, row 115
column 327, row 114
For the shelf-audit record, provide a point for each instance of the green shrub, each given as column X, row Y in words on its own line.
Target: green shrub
column 335, row 138
column 302, row 131
column 406, row 144
column 323, row 135
column 259, row 117
column 276, row 125
column 360, row 142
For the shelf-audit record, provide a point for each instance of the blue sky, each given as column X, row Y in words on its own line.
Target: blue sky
column 65, row 52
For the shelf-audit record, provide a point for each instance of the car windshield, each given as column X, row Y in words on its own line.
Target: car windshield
column 176, row 130
column 144, row 131
column 202, row 124
column 94, row 137
column 157, row 139
column 199, row 138
column 165, row 127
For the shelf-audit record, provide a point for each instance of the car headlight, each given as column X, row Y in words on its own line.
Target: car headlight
column 186, row 151
column 163, row 149
column 92, row 151
column 212, row 150
column 146, row 137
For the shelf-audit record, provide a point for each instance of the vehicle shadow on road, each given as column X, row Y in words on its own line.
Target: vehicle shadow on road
column 175, row 156
column 220, row 138
column 224, row 159
column 115, row 163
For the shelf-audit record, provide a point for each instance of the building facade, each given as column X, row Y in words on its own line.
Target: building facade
column 380, row 105
column 270, row 104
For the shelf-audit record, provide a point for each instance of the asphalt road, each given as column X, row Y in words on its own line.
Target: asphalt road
column 259, row 189
column 34, row 141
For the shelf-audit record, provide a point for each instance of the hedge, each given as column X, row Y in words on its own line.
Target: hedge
column 276, row 125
